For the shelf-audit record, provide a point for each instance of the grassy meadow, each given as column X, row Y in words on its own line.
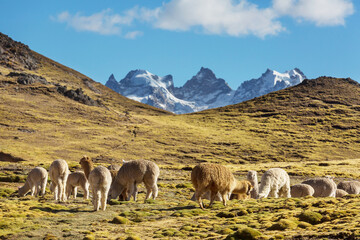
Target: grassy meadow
column 310, row 130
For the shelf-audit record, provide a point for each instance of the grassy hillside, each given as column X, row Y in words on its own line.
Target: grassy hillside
column 310, row 130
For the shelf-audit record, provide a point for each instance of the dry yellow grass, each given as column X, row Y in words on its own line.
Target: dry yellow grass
column 309, row 130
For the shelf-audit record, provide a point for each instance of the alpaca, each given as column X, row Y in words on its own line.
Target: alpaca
column 100, row 181
column 351, row 187
column 87, row 165
column 35, row 182
column 275, row 183
column 214, row 178
column 59, row 172
column 323, row 187
column 253, row 179
column 131, row 174
column 75, row 180
column 114, row 170
column 340, row 193
column 302, row 190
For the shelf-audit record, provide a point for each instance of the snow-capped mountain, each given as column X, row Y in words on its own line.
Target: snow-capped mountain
column 206, row 90
column 269, row 81
column 145, row 87
column 202, row 91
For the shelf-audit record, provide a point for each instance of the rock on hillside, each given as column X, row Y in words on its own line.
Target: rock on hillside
column 13, row 52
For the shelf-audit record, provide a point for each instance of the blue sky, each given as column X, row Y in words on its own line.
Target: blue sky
column 237, row 39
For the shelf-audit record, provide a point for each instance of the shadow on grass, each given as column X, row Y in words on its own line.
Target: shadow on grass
column 49, row 209
column 178, row 208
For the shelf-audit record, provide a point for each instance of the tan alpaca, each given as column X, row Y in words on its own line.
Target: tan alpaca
column 59, row 172
column 35, row 182
column 241, row 191
column 131, row 174
column 214, row 178
column 77, row 179
column 100, row 181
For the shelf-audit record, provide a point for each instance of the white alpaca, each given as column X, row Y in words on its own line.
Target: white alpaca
column 253, row 179
column 100, row 181
column 35, row 182
column 351, row 187
column 341, row 193
column 75, row 180
column 131, row 174
column 59, row 172
column 302, row 190
column 275, row 183
column 324, row 187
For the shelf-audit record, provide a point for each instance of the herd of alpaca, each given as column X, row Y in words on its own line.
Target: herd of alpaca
column 211, row 181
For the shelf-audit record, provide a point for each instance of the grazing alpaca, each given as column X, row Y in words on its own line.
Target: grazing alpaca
column 77, row 179
column 253, row 179
column 131, row 174
column 87, row 165
column 302, row 190
column 214, row 178
column 35, row 182
column 59, row 172
column 341, row 193
column 351, row 187
column 324, row 187
column 100, row 181
column 275, row 183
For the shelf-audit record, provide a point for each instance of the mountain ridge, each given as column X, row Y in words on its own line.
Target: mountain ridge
column 203, row 91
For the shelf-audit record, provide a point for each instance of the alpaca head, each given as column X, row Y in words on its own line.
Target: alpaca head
column 87, row 165
column 251, row 175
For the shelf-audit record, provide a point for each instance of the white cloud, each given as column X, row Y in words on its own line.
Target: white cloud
column 133, row 35
column 218, row 17
column 104, row 22
column 320, row 12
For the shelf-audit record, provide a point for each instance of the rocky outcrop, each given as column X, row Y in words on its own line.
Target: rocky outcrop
column 26, row 79
column 16, row 55
column 78, row 95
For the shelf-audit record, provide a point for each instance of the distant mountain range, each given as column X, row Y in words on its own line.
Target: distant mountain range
column 202, row 91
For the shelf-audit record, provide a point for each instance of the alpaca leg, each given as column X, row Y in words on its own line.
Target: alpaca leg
column 104, row 195
column 130, row 191
column 198, row 195
column 286, row 190
column 276, row 192
column 135, row 192
column 224, row 198
column 64, row 187
column 37, row 190
column 148, row 192
column 86, row 191
column 60, row 191
column 75, row 192
column 212, row 198
column 56, row 189
column 155, row 190
column 97, row 196
column 43, row 186
column 33, row 190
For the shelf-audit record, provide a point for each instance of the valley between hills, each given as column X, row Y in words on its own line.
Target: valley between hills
column 49, row 111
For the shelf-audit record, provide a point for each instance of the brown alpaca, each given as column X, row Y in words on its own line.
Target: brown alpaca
column 87, row 165
column 214, row 178
column 114, row 171
column 242, row 190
